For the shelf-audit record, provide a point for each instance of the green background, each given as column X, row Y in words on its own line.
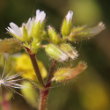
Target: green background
column 90, row 90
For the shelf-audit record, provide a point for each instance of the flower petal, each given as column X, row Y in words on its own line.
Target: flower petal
column 16, row 29
column 40, row 16
column 69, row 16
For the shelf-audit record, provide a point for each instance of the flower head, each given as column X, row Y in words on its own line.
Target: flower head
column 14, row 30
column 69, row 16
column 38, row 25
column 23, row 32
column 32, row 28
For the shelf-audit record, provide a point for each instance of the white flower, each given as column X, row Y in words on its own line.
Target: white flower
column 40, row 16
column 29, row 25
column 32, row 28
column 14, row 30
column 26, row 29
column 19, row 31
column 69, row 16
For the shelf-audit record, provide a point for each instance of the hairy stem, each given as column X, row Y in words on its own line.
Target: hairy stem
column 43, row 99
column 35, row 66
column 45, row 92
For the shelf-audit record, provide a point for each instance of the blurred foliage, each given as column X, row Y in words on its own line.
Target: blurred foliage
column 25, row 68
column 86, row 11
column 30, row 94
column 90, row 91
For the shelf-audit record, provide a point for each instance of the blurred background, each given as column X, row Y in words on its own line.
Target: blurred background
column 91, row 89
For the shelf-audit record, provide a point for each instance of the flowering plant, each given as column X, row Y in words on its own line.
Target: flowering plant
column 32, row 36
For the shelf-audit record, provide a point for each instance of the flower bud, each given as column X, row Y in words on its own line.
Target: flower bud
column 83, row 32
column 22, row 33
column 54, row 37
column 67, row 73
column 38, row 25
column 54, row 52
column 67, row 24
column 69, row 50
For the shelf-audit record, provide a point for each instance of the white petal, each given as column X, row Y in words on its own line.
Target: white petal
column 29, row 25
column 37, row 12
column 64, row 57
column 40, row 16
column 16, row 29
column 43, row 15
column 11, row 30
column 69, row 16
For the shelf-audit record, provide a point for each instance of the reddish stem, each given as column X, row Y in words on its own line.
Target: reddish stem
column 43, row 99
column 35, row 66
column 45, row 92
column 5, row 105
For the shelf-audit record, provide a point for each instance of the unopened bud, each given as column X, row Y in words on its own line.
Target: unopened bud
column 67, row 24
column 69, row 50
column 54, row 52
column 84, row 32
column 54, row 37
column 67, row 73
column 38, row 25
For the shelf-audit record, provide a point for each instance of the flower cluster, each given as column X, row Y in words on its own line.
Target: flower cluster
column 33, row 36
column 33, row 33
column 24, row 32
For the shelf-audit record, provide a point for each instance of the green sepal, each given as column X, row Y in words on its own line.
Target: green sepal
column 66, row 27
